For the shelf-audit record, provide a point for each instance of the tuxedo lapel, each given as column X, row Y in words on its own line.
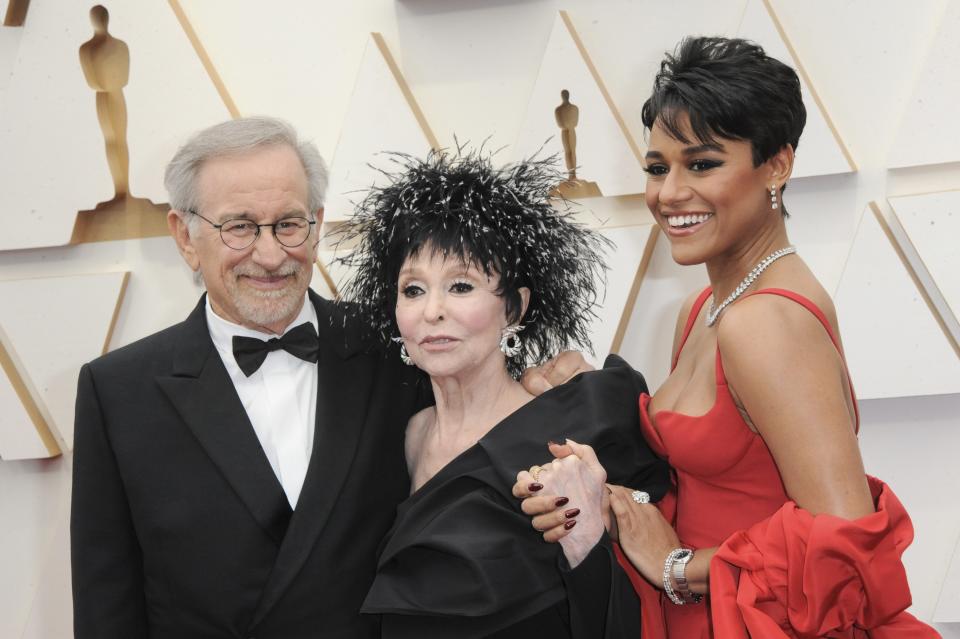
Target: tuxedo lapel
column 344, row 381
column 201, row 391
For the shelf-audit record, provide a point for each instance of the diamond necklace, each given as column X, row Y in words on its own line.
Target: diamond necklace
column 714, row 311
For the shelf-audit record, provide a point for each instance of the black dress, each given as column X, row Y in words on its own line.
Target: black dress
column 462, row 560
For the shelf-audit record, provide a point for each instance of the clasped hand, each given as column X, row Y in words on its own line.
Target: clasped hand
column 572, row 488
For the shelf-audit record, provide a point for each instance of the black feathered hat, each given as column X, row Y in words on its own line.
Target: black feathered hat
column 503, row 220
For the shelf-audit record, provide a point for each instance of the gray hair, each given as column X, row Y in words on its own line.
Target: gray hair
column 235, row 137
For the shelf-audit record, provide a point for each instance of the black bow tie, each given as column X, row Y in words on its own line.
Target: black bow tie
column 301, row 341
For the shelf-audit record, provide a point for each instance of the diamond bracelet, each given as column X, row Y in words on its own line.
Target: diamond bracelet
column 674, row 569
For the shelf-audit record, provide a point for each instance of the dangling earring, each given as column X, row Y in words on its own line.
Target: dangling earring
column 403, row 351
column 510, row 342
column 773, row 197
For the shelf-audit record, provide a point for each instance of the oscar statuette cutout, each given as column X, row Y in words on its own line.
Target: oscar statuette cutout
column 105, row 61
column 568, row 116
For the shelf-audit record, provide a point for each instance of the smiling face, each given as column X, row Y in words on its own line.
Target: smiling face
column 709, row 198
column 450, row 316
column 263, row 285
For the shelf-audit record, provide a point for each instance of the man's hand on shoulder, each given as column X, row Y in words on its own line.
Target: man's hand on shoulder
column 559, row 370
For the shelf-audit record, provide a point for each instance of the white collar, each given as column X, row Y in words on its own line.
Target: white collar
column 222, row 331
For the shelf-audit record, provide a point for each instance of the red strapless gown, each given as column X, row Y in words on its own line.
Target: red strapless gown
column 780, row 572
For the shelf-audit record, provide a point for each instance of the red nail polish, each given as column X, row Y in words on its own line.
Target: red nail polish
column 570, row 524
column 534, row 487
column 570, row 514
column 561, row 501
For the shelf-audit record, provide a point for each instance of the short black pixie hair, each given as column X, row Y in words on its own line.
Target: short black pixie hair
column 729, row 88
column 502, row 220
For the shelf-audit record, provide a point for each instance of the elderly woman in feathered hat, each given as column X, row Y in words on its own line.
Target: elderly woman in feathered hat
column 475, row 273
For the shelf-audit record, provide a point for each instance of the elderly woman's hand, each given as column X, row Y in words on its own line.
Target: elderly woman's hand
column 559, row 370
column 567, row 499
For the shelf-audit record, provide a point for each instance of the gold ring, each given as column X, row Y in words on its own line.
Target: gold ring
column 535, row 471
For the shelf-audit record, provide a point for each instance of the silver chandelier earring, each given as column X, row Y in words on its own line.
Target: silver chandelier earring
column 510, row 342
column 773, row 197
column 404, row 357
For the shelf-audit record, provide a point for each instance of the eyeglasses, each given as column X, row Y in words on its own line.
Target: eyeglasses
column 238, row 234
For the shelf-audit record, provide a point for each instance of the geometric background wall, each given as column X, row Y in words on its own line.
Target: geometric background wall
column 878, row 296
column 926, row 219
column 48, row 347
column 929, row 128
column 879, row 133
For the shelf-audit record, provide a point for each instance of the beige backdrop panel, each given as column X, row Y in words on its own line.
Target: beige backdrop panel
column 928, row 219
column 893, row 343
column 58, row 324
column 603, row 151
column 9, row 43
column 624, row 259
column 25, row 423
column 169, row 95
column 822, row 151
column 930, row 128
column 380, row 118
column 33, row 499
column 303, row 67
column 49, row 119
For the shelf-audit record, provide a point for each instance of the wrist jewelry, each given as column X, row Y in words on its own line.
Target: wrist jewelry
column 675, row 570
column 679, row 571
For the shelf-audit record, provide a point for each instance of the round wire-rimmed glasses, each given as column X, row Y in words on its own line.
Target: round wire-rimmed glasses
column 240, row 233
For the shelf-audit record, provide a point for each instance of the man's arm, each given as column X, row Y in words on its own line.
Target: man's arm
column 559, row 370
column 108, row 595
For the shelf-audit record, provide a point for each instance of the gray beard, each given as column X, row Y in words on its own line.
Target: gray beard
column 270, row 307
column 263, row 308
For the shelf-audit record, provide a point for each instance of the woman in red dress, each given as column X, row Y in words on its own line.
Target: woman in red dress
column 772, row 528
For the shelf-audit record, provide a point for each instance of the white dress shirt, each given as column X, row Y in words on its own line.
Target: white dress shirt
column 280, row 398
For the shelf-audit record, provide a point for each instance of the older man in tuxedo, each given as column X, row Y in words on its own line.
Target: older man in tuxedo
column 235, row 473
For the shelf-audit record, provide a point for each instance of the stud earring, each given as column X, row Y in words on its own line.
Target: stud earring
column 510, row 342
column 773, row 197
column 404, row 357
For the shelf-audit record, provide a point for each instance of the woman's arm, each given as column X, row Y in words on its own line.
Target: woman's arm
column 784, row 369
column 646, row 538
column 804, row 418
column 558, row 370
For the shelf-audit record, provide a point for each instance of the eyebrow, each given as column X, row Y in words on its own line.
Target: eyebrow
column 693, row 150
column 690, row 150
column 246, row 215
column 448, row 272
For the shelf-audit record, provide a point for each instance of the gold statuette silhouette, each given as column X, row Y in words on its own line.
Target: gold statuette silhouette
column 16, row 13
column 568, row 116
column 105, row 61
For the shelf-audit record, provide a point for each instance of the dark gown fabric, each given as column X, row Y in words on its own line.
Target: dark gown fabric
column 463, row 561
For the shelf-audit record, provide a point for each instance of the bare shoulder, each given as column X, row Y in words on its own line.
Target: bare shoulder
column 773, row 348
column 765, row 328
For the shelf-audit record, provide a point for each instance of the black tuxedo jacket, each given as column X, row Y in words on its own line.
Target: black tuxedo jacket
column 179, row 527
